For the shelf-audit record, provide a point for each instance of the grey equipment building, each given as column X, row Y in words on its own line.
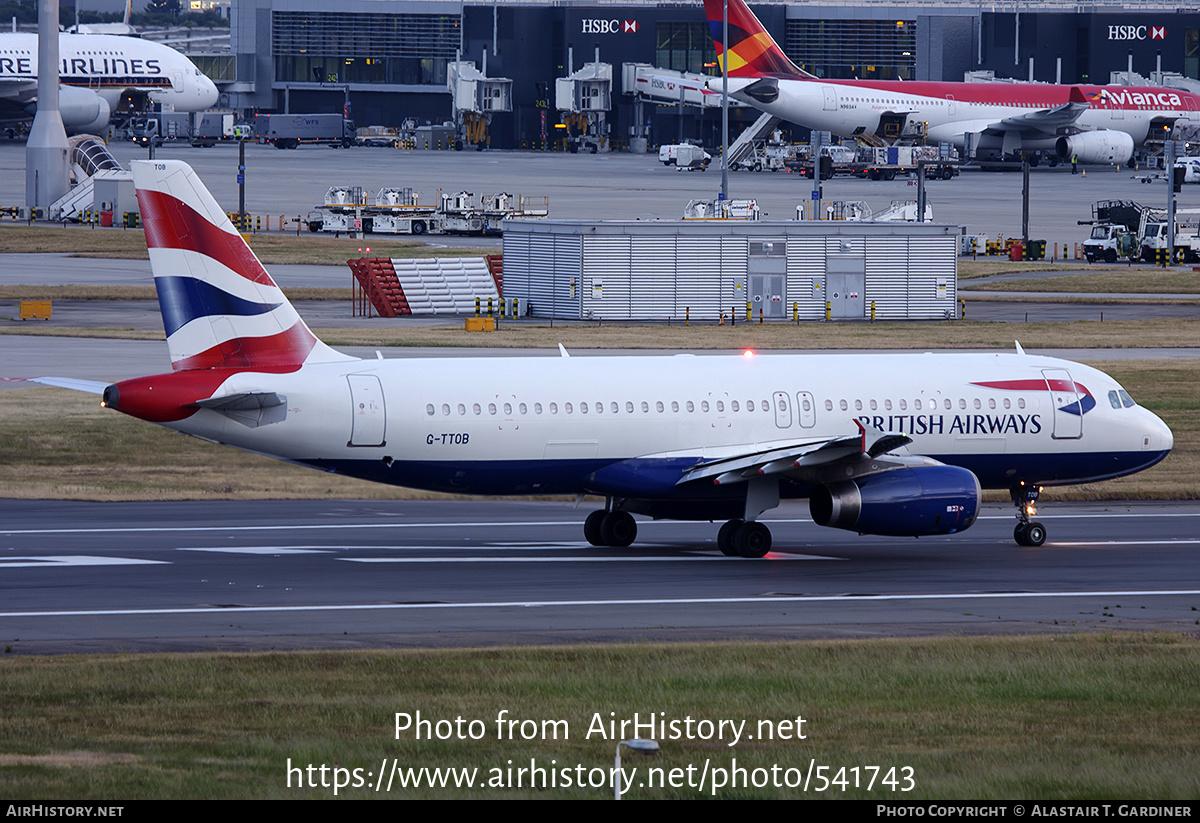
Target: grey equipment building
column 654, row 270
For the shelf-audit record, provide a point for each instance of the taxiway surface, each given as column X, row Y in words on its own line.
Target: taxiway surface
column 242, row 575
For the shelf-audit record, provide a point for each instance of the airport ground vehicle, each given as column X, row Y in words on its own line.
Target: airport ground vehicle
column 869, row 162
column 211, row 127
column 1108, row 242
column 163, row 126
column 684, row 156
column 397, row 211
column 287, row 131
column 888, row 444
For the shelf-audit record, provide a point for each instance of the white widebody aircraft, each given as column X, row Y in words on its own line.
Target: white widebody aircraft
column 889, row 444
column 95, row 71
column 1095, row 124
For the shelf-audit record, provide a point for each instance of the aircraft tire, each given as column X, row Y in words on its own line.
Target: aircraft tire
column 752, row 539
column 591, row 528
column 618, row 529
column 1035, row 534
column 725, row 538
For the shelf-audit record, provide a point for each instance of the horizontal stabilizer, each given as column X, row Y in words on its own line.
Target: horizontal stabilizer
column 72, row 383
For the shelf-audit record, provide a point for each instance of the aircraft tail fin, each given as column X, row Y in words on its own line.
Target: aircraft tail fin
column 220, row 308
column 752, row 52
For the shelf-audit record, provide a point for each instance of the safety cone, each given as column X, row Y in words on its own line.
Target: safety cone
column 1085, row 172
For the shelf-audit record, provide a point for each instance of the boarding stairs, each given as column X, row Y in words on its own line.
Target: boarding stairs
column 90, row 161
column 744, row 144
column 432, row 285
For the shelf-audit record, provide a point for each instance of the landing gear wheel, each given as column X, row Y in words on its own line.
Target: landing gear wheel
column 725, row 538
column 591, row 528
column 752, row 539
column 618, row 529
column 1030, row 534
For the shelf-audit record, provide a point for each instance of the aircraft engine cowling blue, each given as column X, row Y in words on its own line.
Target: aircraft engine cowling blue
column 908, row 502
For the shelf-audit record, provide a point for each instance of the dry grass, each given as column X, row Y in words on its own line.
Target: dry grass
column 969, row 269
column 42, row 292
column 807, row 335
column 270, row 248
column 1136, row 281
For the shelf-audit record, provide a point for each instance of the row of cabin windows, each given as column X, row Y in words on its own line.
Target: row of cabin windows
column 927, row 405
column 705, row 406
column 598, row 407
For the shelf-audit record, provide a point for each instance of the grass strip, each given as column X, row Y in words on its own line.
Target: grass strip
column 1049, row 717
column 303, row 248
column 708, row 336
column 1131, row 281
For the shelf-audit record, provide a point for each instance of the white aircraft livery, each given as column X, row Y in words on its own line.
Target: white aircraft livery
column 1094, row 124
column 95, row 70
column 886, row 444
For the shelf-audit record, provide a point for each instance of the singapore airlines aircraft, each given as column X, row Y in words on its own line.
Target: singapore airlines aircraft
column 1096, row 124
column 96, row 70
column 887, row 444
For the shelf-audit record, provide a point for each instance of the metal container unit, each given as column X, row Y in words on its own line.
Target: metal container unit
column 655, row 270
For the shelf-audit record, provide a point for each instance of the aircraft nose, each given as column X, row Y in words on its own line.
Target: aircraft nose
column 208, row 92
column 1156, row 435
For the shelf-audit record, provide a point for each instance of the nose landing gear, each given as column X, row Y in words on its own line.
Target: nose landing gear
column 1028, row 532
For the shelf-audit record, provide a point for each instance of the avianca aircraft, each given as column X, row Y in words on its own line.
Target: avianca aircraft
column 897, row 444
column 96, row 70
column 1097, row 124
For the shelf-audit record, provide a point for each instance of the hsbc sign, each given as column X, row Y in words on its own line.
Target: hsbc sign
column 1137, row 32
column 594, row 25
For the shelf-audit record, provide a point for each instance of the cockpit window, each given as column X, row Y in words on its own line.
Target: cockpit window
column 1126, row 400
column 1114, row 399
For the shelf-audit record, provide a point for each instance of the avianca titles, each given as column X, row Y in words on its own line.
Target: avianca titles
column 95, row 71
column 888, row 444
column 1095, row 124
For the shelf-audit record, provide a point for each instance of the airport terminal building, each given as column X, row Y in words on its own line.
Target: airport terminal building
column 389, row 58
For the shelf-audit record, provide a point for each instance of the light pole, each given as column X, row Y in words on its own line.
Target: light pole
column 638, row 744
column 725, row 103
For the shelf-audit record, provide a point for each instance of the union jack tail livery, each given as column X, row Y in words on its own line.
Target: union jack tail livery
column 752, row 51
column 220, row 308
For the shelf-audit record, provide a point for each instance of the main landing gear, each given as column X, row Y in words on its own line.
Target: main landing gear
column 739, row 538
column 610, row 528
column 1028, row 532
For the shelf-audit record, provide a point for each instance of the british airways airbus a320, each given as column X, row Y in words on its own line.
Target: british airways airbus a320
column 1096, row 124
column 887, row 444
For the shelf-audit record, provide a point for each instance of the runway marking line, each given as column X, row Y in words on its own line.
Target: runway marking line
column 511, row 523
column 63, row 561
column 688, row 601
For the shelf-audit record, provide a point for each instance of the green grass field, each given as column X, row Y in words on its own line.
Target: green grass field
column 1053, row 717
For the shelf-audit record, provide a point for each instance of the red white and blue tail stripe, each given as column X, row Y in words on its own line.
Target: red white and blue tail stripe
column 220, row 308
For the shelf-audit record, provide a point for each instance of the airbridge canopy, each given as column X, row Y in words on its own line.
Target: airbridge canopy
column 625, row 270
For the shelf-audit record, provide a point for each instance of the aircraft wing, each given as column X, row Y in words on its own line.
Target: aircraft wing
column 17, row 91
column 1046, row 120
column 798, row 458
column 804, row 461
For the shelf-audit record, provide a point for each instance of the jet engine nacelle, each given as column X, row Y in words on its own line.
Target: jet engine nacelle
column 1104, row 146
column 908, row 502
column 83, row 111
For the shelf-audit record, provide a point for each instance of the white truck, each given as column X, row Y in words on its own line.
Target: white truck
column 684, row 156
column 1108, row 242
